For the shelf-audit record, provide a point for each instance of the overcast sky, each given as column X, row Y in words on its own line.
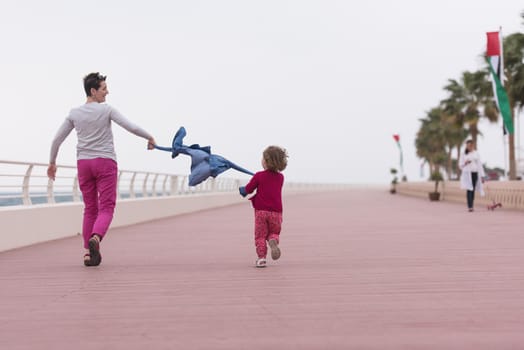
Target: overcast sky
column 331, row 81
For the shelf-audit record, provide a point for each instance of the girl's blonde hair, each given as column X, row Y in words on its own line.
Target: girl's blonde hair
column 275, row 158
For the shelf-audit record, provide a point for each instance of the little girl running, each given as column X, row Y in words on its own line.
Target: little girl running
column 267, row 202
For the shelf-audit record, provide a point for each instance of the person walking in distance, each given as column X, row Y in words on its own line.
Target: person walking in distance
column 96, row 160
column 472, row 176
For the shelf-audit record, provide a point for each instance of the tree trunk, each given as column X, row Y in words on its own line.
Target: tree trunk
column 448, row 166
column 474, row 131
column 512, row 161
column 431, row 167
column 511, row 139
column 459, row 171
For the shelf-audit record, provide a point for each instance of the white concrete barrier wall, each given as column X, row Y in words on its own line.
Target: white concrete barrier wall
column 30, row 224
column 26, row 225
column 509, row 193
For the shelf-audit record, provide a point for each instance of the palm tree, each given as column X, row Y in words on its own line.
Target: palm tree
column 514, row 85
column 454, row 135
column 453, row 106
column 431, row 140
column 469, row 100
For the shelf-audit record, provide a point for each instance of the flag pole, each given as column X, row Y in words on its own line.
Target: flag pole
column 401, row 161
column 518, row 139
column 505, row 156
column 505, row 135
column 502, row 79
column 396, row 137
column 495, row 60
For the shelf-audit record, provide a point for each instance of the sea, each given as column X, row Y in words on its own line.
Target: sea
column 14, row 199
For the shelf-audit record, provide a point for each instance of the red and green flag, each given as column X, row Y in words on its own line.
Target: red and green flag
column 396, row 137
column 496, row 67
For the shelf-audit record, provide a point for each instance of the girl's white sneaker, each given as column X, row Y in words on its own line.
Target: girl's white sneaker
column 261, row 262
column 275, row 250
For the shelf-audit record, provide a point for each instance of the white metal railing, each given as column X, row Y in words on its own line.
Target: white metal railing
column 23, row 183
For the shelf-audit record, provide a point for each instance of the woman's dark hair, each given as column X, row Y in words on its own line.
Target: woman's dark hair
column 468, row 142
column 92, row 81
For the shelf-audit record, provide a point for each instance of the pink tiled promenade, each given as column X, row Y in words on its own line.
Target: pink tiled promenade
column 360, row 269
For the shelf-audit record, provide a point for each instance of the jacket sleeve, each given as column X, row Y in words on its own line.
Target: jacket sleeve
column 462, row 161
column 129, row 126
column 61, row 135
column 252, row 184
column 482, row 173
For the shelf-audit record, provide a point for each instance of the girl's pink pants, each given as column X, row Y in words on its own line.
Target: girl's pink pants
column 267, row 226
